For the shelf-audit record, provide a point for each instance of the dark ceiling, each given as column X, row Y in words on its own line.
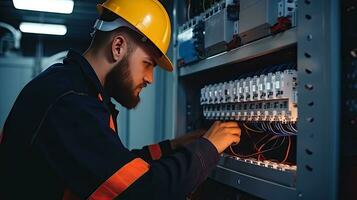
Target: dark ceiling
column 79, row 25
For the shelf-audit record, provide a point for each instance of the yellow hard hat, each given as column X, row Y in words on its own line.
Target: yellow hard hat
column 150, row 18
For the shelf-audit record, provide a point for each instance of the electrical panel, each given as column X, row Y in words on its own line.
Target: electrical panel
column 263, row 97
column 220, row 26
column 288, row 9
column 191, row 41
column 228, row 24
column 255, row 83
column 264, row 17
column 264, row 104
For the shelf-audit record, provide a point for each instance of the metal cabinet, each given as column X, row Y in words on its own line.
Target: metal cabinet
column 315, row 46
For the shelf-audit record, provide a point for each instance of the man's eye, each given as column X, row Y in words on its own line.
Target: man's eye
column 148, row 64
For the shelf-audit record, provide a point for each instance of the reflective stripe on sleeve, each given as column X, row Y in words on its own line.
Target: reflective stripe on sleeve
column 121, row 180
column 155, row 151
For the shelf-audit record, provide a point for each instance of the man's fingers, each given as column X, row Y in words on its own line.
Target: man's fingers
column 232, row 131
column 235, row 139
column 215, row 126
column 229, row 124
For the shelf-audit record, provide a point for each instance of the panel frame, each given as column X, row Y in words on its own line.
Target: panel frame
column 319, row 94
column 318, row 41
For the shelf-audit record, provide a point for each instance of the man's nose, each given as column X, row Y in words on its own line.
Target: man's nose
column 149, row 77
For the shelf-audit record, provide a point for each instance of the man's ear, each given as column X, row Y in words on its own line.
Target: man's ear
column 119, row 47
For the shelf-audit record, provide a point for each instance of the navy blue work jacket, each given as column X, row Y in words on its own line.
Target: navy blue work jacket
column 60, row 141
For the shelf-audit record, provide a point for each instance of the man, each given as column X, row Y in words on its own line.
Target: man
column 60, row 139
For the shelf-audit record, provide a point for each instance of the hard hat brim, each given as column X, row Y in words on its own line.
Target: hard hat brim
column 165, row 63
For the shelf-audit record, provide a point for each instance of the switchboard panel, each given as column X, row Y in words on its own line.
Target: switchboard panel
column 221, row 21
column 264, row 17
column 191, row 41
column 263, row 97
column 227, row 24
column 270, row 70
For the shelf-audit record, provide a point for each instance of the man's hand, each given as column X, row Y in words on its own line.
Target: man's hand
column 187, row 138
column 223, row 134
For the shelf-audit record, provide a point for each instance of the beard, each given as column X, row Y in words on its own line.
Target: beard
column 120, row 85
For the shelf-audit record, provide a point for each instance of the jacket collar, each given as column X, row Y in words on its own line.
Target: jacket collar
column 88, row 71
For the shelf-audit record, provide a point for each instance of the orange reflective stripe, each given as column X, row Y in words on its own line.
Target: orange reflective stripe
column 111, row 123
column 111, row 120
column 121, row 180
column 100, row 97
column 155, row 151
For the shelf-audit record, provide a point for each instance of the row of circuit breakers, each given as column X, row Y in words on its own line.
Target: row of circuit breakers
column 232, row 23
column 267, row 97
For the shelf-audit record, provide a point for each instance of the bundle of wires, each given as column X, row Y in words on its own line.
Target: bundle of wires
column 276, row 134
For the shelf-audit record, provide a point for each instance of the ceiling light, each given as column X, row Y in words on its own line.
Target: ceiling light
column 50, row 29
column 56, row 6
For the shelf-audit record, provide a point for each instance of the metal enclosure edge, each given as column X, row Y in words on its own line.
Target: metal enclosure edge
column 318, row 72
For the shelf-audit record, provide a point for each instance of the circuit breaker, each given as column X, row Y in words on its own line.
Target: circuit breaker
column 265, row 97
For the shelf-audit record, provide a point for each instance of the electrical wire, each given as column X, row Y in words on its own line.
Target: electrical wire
column 256, row 131
column 188, row 10
column 267, row 142
column 288, row 132
column 271, row 128
column 251, row 139
column 255, row 124
column 281, row 132
column 261, row 156
column 263, row 138
column 254, row 154
column 280, row 128
column 287, row 151
column 263, row 126
column 292, row 127
column 245, row 131
column 289, row 128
